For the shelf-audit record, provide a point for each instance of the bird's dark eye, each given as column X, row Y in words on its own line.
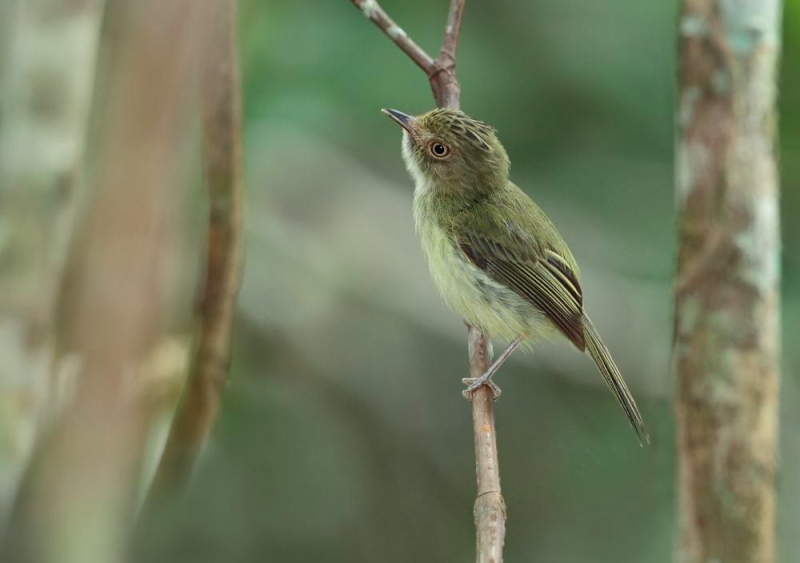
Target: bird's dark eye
column 439, row 150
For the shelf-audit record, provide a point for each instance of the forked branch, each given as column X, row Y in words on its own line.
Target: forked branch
column 490, row 511
column 441, row 71
column 372, row 10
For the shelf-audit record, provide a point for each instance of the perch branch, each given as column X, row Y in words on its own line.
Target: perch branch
column 490, row 510
column 200, row 403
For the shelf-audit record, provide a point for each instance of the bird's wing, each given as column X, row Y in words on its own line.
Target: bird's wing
column 539, row 275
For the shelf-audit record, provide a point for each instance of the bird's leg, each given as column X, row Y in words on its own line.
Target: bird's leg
column 486, row 378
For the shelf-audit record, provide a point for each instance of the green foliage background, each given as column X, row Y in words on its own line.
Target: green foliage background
column 344, row 437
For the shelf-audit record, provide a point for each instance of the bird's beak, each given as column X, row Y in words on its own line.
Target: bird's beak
column 405, row 121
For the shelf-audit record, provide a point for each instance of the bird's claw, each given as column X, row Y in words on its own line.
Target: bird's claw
column 474, row 382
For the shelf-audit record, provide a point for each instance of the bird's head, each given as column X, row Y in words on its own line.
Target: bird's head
column 447, row 151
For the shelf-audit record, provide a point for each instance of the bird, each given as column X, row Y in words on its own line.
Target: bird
column 495, row 257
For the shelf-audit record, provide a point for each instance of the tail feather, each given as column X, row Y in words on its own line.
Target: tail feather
column 602, row 358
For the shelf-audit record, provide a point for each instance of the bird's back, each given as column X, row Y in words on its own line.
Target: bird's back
column 530, row 232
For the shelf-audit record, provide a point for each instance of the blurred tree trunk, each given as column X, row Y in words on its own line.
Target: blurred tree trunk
column 47, row 62
column 78, row 499
column 727, row 295
column 216, row 300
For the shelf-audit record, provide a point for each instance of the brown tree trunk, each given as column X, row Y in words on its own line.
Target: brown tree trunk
column 727, row 295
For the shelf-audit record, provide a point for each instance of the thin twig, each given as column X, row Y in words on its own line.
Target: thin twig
column 372, row 10
column 490, row 511
column 200, row 404
column 490, row 508
column 452, row 30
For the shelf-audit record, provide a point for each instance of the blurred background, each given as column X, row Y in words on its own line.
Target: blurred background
column 343, row 435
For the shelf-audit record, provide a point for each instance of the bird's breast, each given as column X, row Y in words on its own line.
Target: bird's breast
column 468, row 290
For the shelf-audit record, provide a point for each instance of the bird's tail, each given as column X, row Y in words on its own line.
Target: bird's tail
column 602, row 358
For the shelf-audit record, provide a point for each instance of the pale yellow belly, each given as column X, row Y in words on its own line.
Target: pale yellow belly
column 472, row 294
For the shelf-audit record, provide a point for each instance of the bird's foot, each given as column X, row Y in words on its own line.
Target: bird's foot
column 474, row 382
column 486, row 379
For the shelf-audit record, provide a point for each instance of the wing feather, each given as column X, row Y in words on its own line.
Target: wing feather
column 547, row 282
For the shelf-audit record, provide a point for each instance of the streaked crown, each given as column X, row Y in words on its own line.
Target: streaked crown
column 449, row 151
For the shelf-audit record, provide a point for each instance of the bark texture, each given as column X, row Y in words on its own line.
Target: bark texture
column 726, row 345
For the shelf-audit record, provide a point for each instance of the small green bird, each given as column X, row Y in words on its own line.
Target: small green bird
column 495, row 257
